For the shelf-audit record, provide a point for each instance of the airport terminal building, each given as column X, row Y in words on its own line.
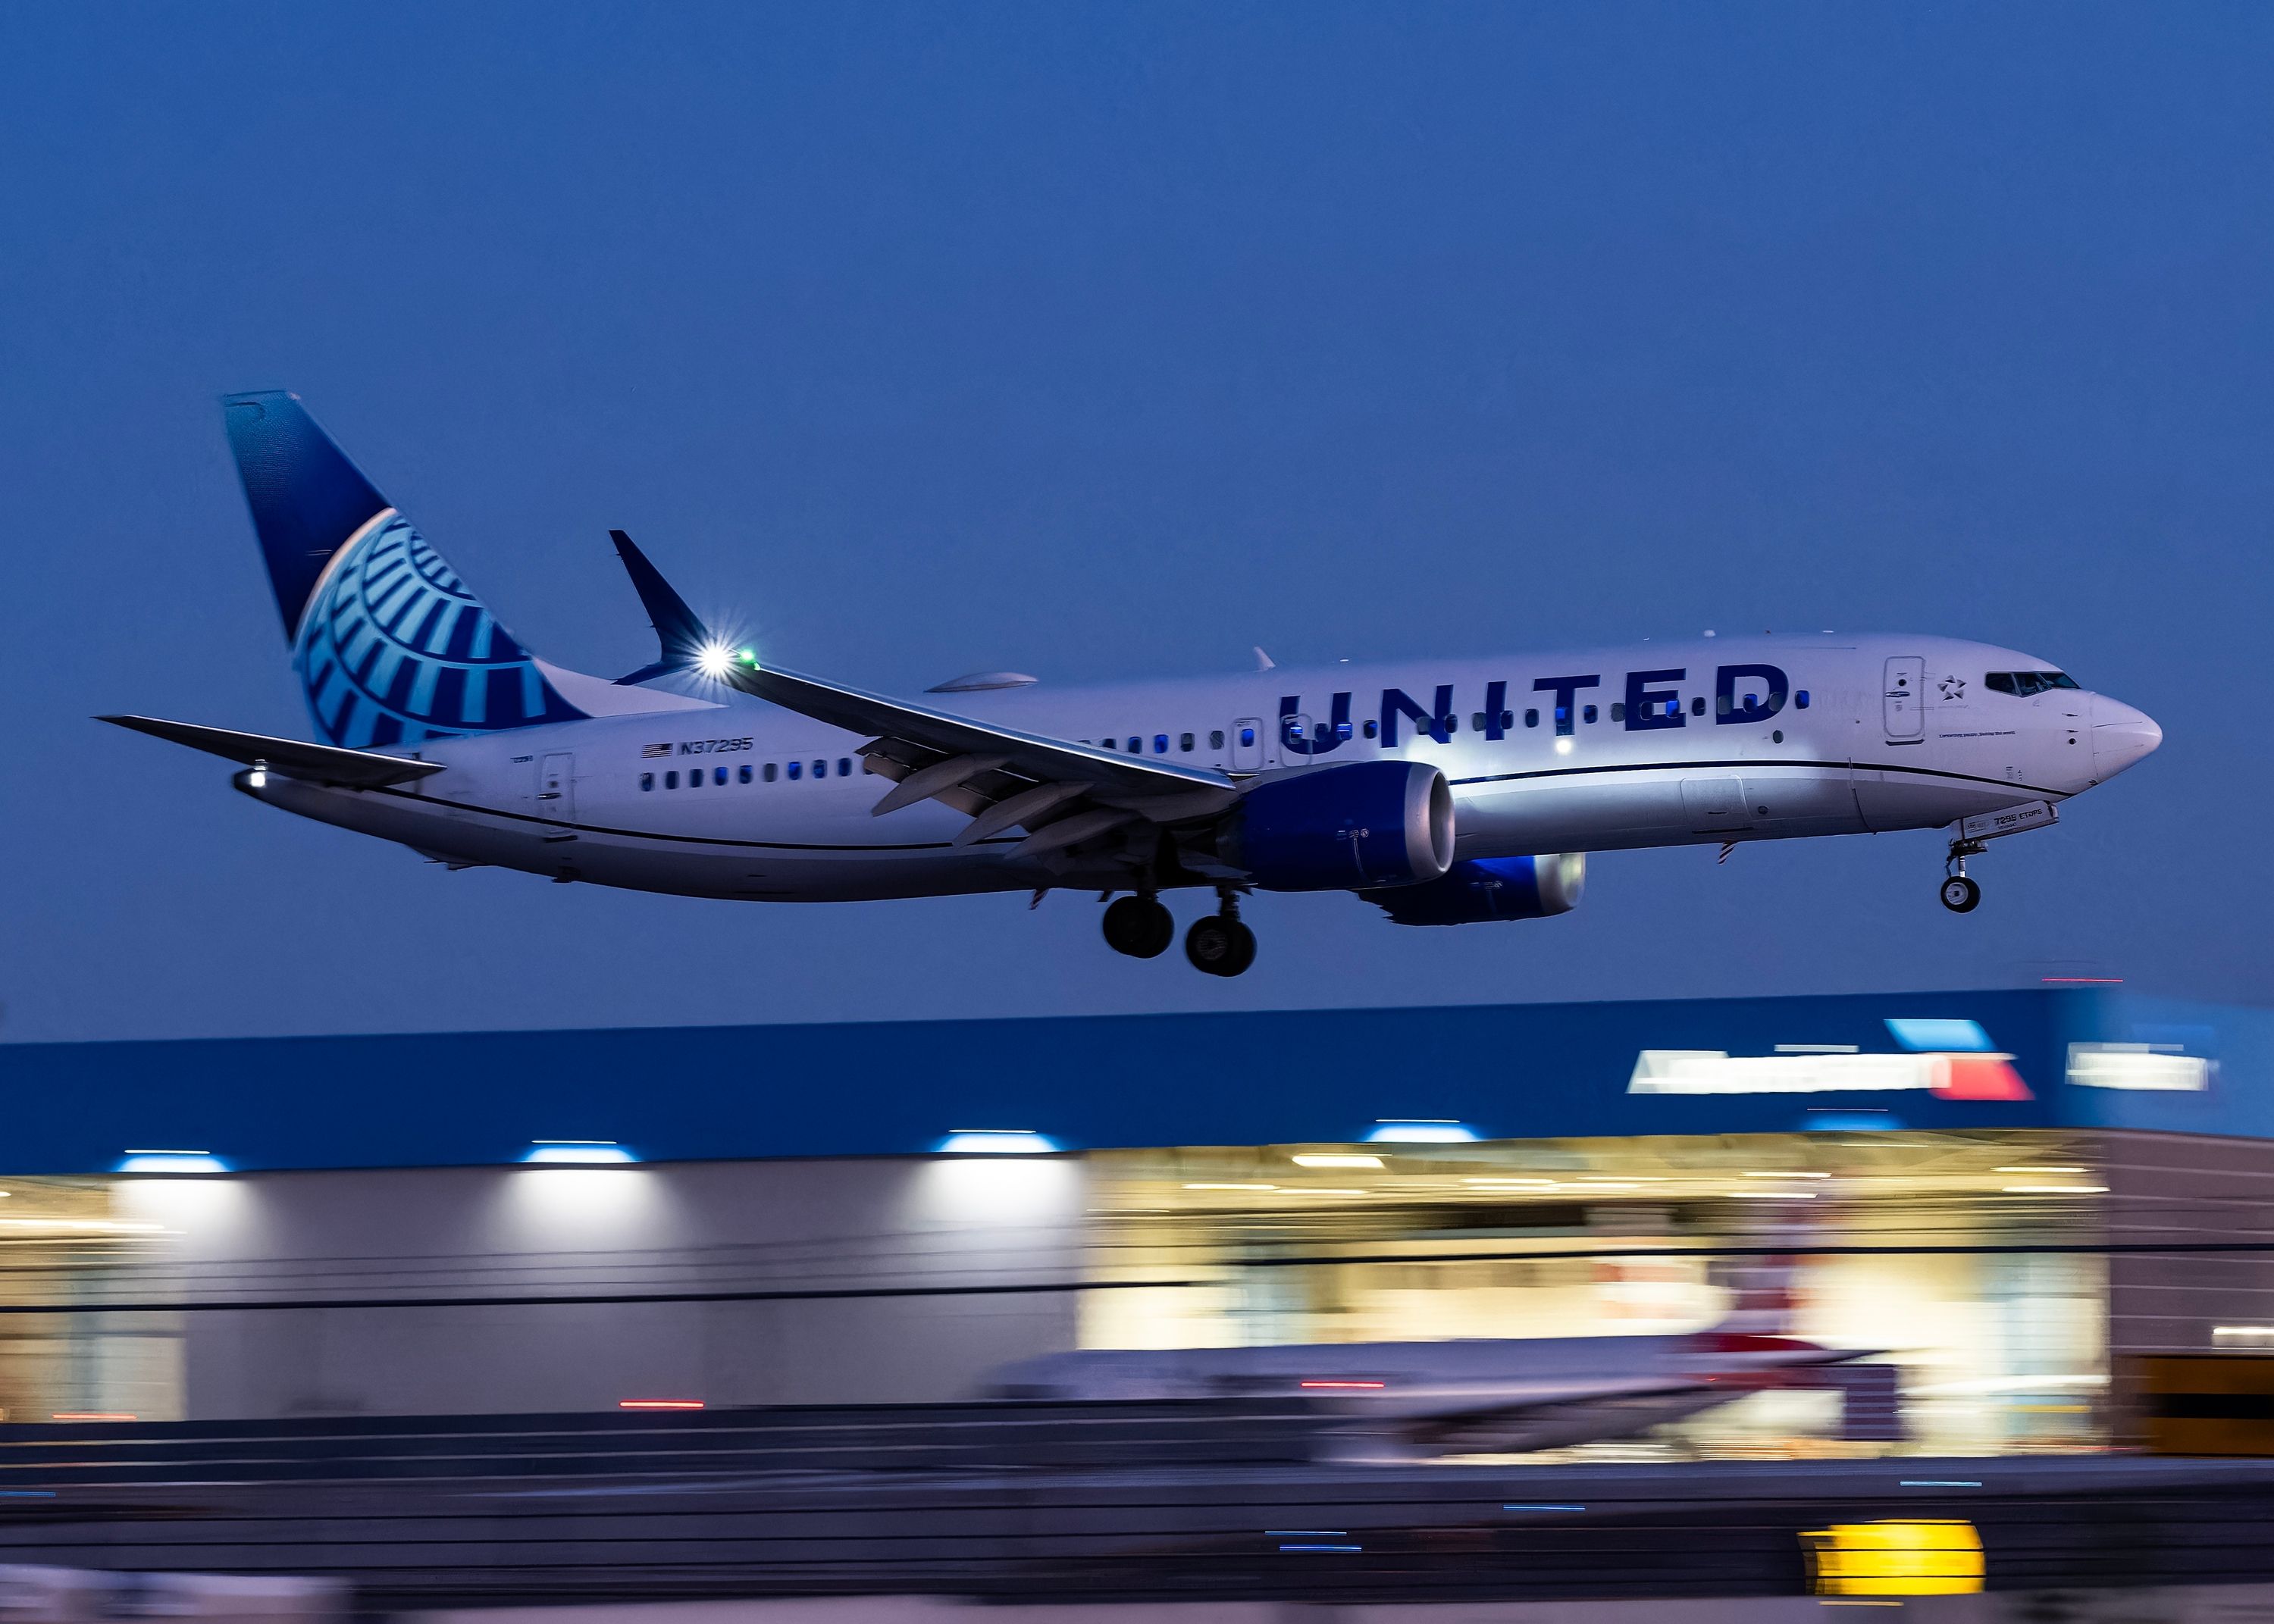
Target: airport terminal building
column 2008, row 1199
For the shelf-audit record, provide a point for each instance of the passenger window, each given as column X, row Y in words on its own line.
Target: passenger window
column 671, row 781
column 743, row 772
column 1342, row 730
column 1697, row 705
column 1136, row 745
column 1216, row 739
column 1371, row 728
column 1246, row 737
column 647, row 780
column 1532, row 719
column 1452, row 726
column 1477, row 723
column 1184, row 741
column 695, row 778
column 1618, row 710
column 717, row 774
column 1507, row 719
column 844, row 766
column 1105, row 744
column 1159, row 744
column 770, row 772
column 1587, row 713
column 821, row 770
column 1801, row 699
column 797, row 770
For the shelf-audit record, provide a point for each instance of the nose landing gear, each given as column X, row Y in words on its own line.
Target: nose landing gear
column 1959, row 894
column 1218, row 943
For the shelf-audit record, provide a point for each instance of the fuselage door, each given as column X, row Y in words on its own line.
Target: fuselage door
column 1904, row 700
column 1714, row 804
column 1248, row 744
column 556, row 788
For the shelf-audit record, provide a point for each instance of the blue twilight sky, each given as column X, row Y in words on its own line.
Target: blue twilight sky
column 1104, row 340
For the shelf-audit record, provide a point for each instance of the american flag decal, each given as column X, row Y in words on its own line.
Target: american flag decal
column 649, row 752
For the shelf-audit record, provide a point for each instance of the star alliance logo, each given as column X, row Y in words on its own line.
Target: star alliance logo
column 1954, row 688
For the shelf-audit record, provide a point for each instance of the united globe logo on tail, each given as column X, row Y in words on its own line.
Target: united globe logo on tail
column 394, row 649
column 390, row 646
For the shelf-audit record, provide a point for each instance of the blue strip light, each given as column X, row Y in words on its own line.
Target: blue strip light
column 1421, row 1131
column 172, row 1161
column 578, row 1153
column 995, row 1142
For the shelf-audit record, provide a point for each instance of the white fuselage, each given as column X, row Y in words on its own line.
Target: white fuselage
column 1894, row 733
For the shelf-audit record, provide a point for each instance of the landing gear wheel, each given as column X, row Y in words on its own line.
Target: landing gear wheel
column 1959, row 894
column 1220, row 945
column 1139, row 927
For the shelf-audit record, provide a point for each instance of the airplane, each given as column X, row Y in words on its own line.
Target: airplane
column 1469, row 1396
column 1444, row 791
column 1472, row 1396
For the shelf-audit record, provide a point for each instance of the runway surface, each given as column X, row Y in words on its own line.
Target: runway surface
column 1032, row 1502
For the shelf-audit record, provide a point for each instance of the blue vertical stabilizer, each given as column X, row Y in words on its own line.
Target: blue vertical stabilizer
column 390, row 646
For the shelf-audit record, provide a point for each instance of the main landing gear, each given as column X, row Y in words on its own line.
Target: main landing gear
column 1959, row 894
column 1139, row 927
column 1218, row 943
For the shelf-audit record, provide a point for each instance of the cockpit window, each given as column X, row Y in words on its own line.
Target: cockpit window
column 2023, row 684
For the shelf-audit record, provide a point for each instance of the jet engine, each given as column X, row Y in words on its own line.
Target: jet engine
column 1487, row 887
column 1347, row 828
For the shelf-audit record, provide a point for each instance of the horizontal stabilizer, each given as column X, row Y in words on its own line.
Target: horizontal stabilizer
column 289, row 758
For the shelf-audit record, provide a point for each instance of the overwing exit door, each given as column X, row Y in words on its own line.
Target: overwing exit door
column 556, row 788
column 1904, row 699
column 1248, row 744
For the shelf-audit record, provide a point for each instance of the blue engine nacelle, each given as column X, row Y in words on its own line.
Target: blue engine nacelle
column 1487, row 887
column 1349, row 828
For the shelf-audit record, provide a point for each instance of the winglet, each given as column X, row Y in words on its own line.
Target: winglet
column 682, row 635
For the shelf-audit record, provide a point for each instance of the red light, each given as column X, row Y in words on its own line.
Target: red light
column 91, row 1415
column 1346, row 1386
column 659, row 1403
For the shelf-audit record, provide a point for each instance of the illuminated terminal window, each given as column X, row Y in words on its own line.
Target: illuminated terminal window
column 1979, row 1325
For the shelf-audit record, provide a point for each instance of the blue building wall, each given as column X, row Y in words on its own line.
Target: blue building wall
column 1512, row 1071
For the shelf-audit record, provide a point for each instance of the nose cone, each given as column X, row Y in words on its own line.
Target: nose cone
column 2120, row 736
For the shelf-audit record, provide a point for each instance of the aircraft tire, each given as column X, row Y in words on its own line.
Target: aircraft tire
column 1219, row 946
column 1141, row 927
column 1961, row 895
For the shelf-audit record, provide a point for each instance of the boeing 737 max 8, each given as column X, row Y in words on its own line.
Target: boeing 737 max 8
column 1446, row 791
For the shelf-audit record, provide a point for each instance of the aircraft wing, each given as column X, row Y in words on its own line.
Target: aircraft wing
column 1061, row 793
column 1000, row 776
column 287, row 758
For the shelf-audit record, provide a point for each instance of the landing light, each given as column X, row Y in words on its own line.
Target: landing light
column 715, row 660
column 1563, row 747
